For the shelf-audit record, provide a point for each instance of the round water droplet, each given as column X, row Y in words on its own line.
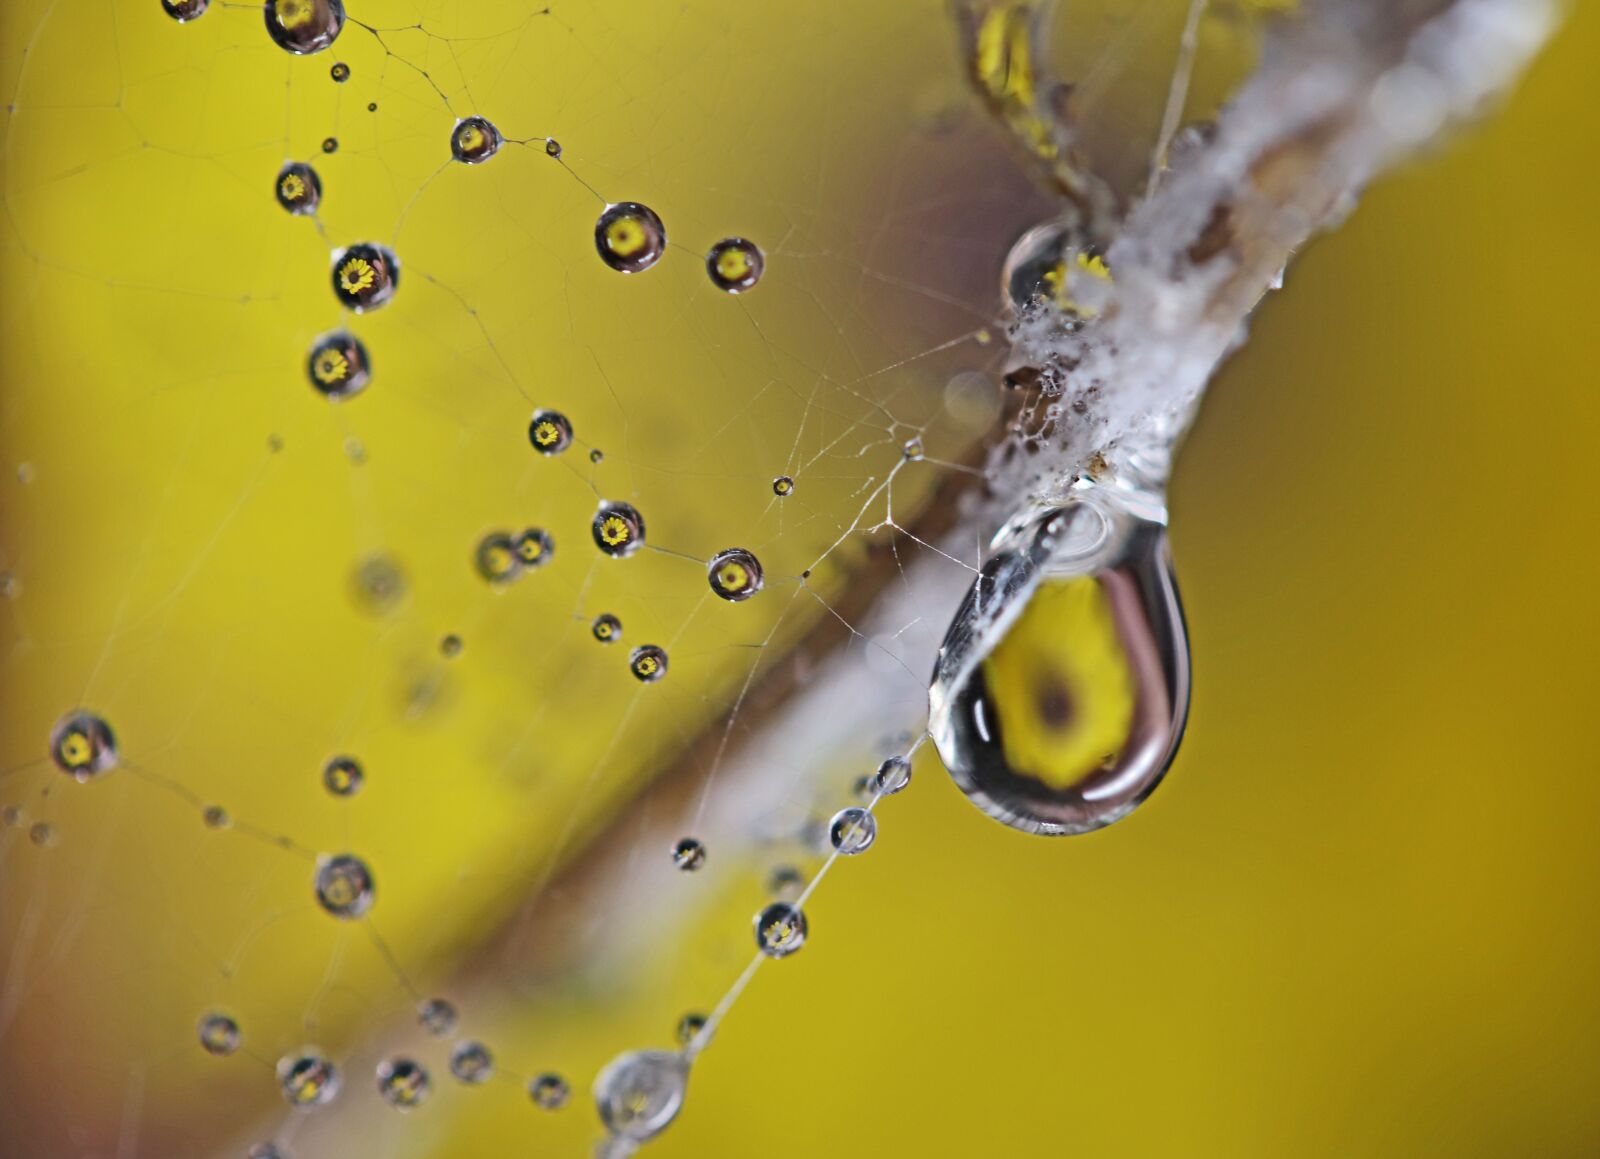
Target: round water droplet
column 1052, row 265
column 338, row 365
column 403, row 1083
column 304, row 26
column 549, row 1091
column 534, row 547
column 735, row 574
column 497, row 558
column 308, row 1079
column 785, row 882
column 735, row 264
column 42, row 833
column 340, row 72
column 630, row 237
column 689, row 854
column 215, row 817
column 343, row 776
column 606, row 628
column 892, row 776
column 549, row 432
column 378, row 584
column 184, row 11
column 781, row 929
column 298, row 189
column 689, row 1026
column 913, row 450
column 365, row 276
column 437, row 1016
column 474, row 140
column 853, row 830
column 450, row 646
column 648, row 663
column 83, row 746
column 330, row 145
column 596, row 455
column 783, row 486
column 639, row 1093
column 1061, row 690
column 552, row 147
column 618, row 529
column 471, row 1062
column 219, row 1034
column 344, row 886
column 372, row 106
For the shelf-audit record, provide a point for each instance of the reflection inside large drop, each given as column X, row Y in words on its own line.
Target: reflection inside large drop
column 1061, row 690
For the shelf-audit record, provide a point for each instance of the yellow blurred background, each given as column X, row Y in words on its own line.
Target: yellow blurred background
column 1359, row 917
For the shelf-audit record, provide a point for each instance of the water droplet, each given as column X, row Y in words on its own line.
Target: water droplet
column 534, row 547
column 378, row 584
column 330, row 144
column 338, row 365
column 343, row 776
column 1061, row 690
column 11, row 815
column 267, row 1151
column 783, row 486
column 618, row 529
column 552, row 147
column 892, row 776
column 785, row 882
column 215, row 817
column 648, row 663
column 781, row 929
column 308, row 1079
column 497, row 558
column 549, row 1091
column 437, row 1016
column 1052, row 265
column 853, row 830
column 219, row 1034
column 184, row 11
column 42, row 834
column 606, row 628
column 304, row 26
column 689, row 854
column 471, row 1062
column 735, row 574
column 365, row 276
column 372, row 106
column 630, row 237
column 690, row 1026
column 344, row 886
column 403, row 1083
column 549, row 432
column 735, row 264
column 340, row 72
column 474, row 140
column 298, row 188
column 912, row 450
column 639, row 1093
column 83, row 746
column 450, row 647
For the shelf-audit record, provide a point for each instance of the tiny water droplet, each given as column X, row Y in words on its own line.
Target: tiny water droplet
column 648, row 663
column 689, row 1026
column 184, row 11
column 83, row 746
column 404, row 1083
column 215, row 817
column 298, row 188
column 689, row 854
column 552, row 147
column 474, row 140
column 437, row 1016
column 343, row 776
column 853, row 830
column 618, row 529
column 497, row 558
column 913, row 450
column 606, row 628
column 330, row 145
column 344, row 886
column 783, row 486
column 304, row 26
column 340, row 72
column 338, row 366
column 218, row 1034
column 1052, row 265
column 735, row 574
column 365, row 276
column 549, row 1092
column 640, row 1092
column 781, row 929
column 549, row 432
column 42, row 834
column 308, row 1079
column 630, row 237
column 735, row 264
column 892, row 776
column 471, row 1062
column 450, row 646
column 534, row 547
column 1061, row 690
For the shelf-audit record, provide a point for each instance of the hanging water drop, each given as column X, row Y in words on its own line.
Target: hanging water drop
column 534, row 547
column 474, row 140
column 1061, row 690
column 1053, row 265
column 219, row 1034
column 606, row 628
column 404, row 1083
column 892, row 776
column 437, row 1016
column 338, row 366
column 690, row 1026
column 83, row 746
column 343, row 776
column 340, row 72
column 344, row 886
column 471, row 1062
column 365, row 276
column 549, row 1092
column 618, row 529
column 549, row 432
column 735, row 264
column 783, row 486
column 689, row 854
column 781, row 929
column 853, row 830
column 308, row 1079
column 735, row 574
column 497, row 558
column 304, row 26
column 184, row 11
column 639, row 1093
column 630, row 237
column 298, row 189
column 648, row 663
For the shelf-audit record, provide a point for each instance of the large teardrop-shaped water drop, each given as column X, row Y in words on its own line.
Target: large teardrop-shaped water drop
column 1061, row 690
